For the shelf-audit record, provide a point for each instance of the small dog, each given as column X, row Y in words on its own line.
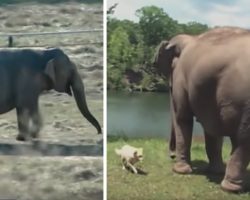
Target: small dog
column 129, row 156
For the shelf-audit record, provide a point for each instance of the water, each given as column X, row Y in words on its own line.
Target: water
column 140, row 115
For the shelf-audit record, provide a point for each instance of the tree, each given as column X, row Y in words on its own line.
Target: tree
column 131, row 28
column 194, row 28
column 119, row 48
column 155, row 25
column 131, row 45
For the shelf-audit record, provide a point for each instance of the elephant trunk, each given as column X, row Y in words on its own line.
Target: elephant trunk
column 79, row 94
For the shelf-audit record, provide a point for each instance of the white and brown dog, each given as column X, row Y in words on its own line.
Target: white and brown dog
column 129, row 156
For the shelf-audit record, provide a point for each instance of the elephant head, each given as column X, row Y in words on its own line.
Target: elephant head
column 64, row 77
column 168, row 52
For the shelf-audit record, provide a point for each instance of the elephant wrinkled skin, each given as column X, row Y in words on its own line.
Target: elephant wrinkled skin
column 25, row 73
column 210, row 80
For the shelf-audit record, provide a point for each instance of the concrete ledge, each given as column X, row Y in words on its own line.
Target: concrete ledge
column 41, row 148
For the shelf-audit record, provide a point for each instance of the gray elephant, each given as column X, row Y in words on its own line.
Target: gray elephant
column 211, row 81
column 183, row 40
column 25, row 73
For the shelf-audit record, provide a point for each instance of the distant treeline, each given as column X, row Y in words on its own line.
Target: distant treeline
column 131, row 46
column 5, row 2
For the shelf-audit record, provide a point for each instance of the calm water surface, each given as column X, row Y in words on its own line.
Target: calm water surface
column 140, row 115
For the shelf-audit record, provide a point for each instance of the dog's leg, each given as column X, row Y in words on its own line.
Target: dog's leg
column 133, row 168
column 124, row 162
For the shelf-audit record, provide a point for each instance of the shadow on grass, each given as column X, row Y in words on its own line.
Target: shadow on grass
column 139, row 171
column 6, row 2
column 200, row 168
column 41, row 148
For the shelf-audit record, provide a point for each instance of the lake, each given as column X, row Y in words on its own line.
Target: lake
column 140, row 115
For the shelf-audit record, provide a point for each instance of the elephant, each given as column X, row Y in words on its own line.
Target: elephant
column 211, row 82
column 26, row 73
column 183, row 41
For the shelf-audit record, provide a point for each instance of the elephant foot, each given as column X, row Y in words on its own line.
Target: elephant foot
column 182, row 168
column 216, row 169
column 35, row 135
column 21, row 137
column 172, row 155
column 231, row 187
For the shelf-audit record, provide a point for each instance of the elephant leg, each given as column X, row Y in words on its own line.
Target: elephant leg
column 172, row 142
column 29, row 124
column 37, row 124
column 29, row 120
column 214, row 153
column 233, row 143
column 240, row 156
column 236, row 168
column 183, row 132
column 23, row 120
column 28, row 117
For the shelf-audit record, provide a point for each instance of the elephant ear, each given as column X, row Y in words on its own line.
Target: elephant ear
column 162, row 47
column 163, row 58
column 55, row 71
column 159, row 51
column 174, row 48
column 50, row 71
column 167, row 49
column 178, row 43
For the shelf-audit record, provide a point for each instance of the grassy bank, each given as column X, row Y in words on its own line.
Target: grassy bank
column 161, row 182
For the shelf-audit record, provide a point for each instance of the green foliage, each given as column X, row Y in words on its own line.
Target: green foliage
column 114, row 78
column 122, row 50
column 131, row 45
column 155, row 24
column 147, row 81
column 194, row 28
column 120, row 56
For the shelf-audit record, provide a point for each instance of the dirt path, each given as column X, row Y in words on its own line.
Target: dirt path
column 63, row 124
column 51, row 178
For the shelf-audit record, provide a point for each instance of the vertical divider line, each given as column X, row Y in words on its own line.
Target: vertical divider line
column 105, row 99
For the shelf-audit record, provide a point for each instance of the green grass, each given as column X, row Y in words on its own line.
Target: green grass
column 161, row 182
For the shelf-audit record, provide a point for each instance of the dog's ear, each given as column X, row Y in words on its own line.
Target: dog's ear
column 140, row 151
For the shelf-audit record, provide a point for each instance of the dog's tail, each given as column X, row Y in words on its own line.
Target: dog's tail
column 118, row 152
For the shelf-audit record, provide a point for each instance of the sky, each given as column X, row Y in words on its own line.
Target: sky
column 210, row 12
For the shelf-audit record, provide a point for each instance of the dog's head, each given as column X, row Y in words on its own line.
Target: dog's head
column 138, row 154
